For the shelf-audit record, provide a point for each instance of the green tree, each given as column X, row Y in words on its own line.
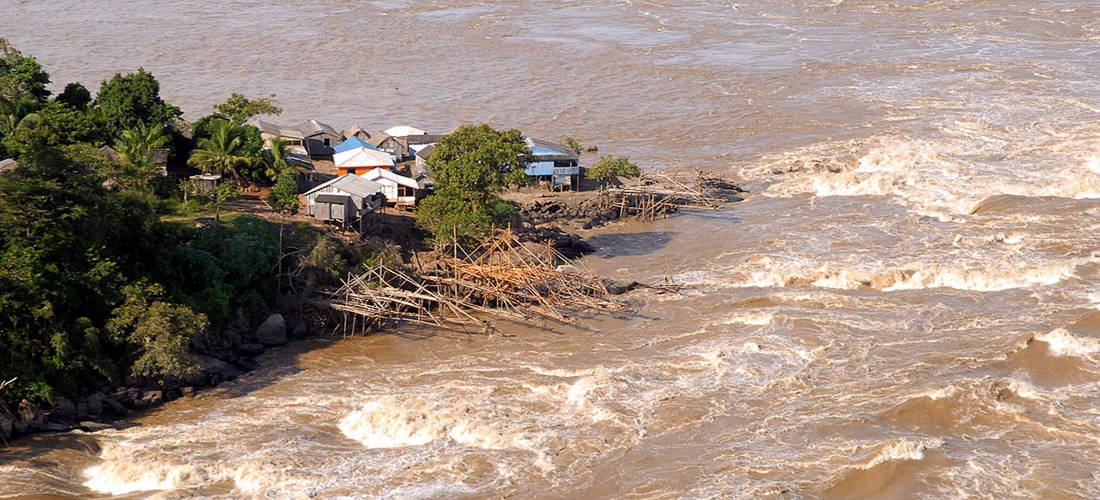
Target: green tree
column 275, row 158
column 284, row 195
column 610, row 166
column 127, row 100
column 239, row 108
column 136, row 145
column 472, row 166
column 21, row 75
column 75, row 96
column 573, row 144
column 158, row 332
column 221, row 153
column 55, row 124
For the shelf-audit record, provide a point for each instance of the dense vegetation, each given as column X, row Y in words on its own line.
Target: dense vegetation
column 94, row 285
column 472, row 165
column 609, row 166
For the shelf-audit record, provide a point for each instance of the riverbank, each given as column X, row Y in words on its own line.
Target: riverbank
column 230, row 350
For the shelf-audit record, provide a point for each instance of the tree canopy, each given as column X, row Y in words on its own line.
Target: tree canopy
column 127, row 100
column 239, row 108
column 220, row 153
column 471, row 166
column 610, row 166
column 21, row 76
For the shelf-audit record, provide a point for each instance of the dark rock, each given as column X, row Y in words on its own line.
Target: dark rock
column 64, row 409
column 81, row 409
column 587, row 225
column 615, row 287
column 247, row 364
column 218, row 369
column 273, row 331
column 19, row 428
column 95, row 403
column 93, row 426
column 241, row 321
column 54, row 427
column 300, row 330
column 232, row 337
column 581, row 246
column 113, row 405
column 251, row 349
column 7, row 426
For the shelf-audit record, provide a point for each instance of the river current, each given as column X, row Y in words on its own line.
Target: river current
column 907, row 304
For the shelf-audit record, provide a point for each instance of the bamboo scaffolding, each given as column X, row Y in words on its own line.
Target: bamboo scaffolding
column 500, row 278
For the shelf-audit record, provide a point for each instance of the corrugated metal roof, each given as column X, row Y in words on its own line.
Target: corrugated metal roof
column 352, row 143
column 379, row 173
column 310, row 128
column 550, row 150
column 403, row 131
column 351, row 184
column 362, row 157
column 333, row 198
column 278, row 131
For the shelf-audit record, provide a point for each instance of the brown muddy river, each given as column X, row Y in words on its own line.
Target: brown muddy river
column 906, row 306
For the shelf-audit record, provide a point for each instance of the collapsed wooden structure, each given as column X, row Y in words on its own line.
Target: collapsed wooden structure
column 658, row 194
column 501, row 278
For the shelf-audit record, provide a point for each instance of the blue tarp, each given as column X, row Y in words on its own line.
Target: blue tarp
column 353, row 143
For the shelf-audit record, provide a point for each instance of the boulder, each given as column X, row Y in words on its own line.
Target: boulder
column 247, row 364
column 615, row 287
column 300, row 330
column 251, row 349
column 95, row 403
column 219, row 369
column 7, row 426
column 273, row 331
column 64, row 410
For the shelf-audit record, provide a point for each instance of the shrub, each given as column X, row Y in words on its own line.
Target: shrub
column 610, row 166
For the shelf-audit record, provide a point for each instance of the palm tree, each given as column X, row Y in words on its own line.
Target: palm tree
column 220, row 153
column 17, row 112
column 137, row 144
column 276, row 158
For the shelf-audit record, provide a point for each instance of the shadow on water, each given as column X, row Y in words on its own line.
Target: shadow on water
column 630, row 244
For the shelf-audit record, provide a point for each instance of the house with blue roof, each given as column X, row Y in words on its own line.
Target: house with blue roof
column 351, row 143
column 553, row 162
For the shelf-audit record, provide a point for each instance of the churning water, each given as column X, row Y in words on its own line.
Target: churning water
column 907, row 305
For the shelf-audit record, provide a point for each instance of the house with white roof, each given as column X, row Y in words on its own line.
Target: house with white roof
column 400, row 191
column 361, row 160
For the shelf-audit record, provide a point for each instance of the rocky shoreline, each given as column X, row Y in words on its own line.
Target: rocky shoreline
column 231, row 351
column 223, row 356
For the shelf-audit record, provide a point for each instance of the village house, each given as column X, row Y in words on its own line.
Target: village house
column 361, row 160
column 420, row 172
column 310, row 138
column 319, row 138
column 552, row 162
column 356, row 131
column 295, row 142
column 345, row 199
column 352, row 143
column 397, row 147
column 400, row 191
